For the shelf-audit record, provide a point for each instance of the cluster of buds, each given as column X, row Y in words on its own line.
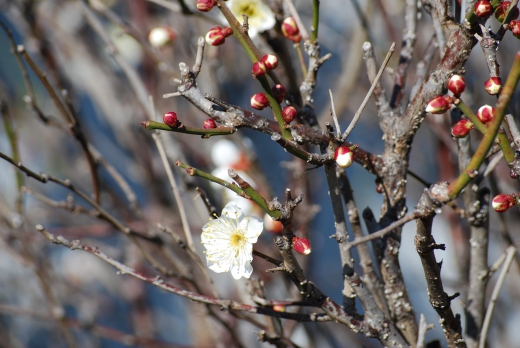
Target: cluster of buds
column 170, row 118
column 439, row 105
column 279, row 92
column 259, row 101
column 205, row 5
column 344, row 156
column 161, row 36
column 264, row 65
column 210, row 123
column 290, row 30
column 493, row 85
column 289, row 113
column 514, row 26
column 486, row 114
column 483, row 9
column 216, row 36
column 301, row 245
column 461, row 128
column 501, row 12
column 502, row 202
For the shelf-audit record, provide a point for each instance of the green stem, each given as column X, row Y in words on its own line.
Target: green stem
column 480, row 154
column 206, row 133
column 503, row 142
column 248, row 193
column 315, row 20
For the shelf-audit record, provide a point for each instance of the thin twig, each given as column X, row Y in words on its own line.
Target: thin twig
column 333, row 113
column 423, row 327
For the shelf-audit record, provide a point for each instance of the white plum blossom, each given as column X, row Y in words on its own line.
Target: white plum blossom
column 229, row 241
column 261, row 17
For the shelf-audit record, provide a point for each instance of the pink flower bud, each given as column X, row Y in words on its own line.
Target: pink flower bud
column 501, row 11
column 279, row 92
column 210, row 123
column 258, row 69
column 161, row 36
column 502, row 202
column 227, row 31
column 344, row 156
column 270, row 61
column 215, row 36
column 461, row 128
column 289, row 114
column 457, row 85
column 486, row 113
column 290, row 30
column 301, row 245
column 483, row 9
column 493, row 85
column 170, row 118
column 205, row 5
column 514, row 26
column 439, row 104
column 259, row 101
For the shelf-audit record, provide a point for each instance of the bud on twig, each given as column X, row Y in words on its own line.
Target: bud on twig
column 501, row 11
column 439, row 104
column 279, row 92
column 457, row 85
column 514, row 26
column 205, row 5
column 258, row 69
column 461, row 128
column 486, row 113
column 270, row 61
column 161, row 36
column 290, row 30
column 170, row 118
column 210, row 123
column 502, row 202
column 301, row 245
column 216, row 36
column 259, row 101
column 493, row 85
column 483, row 9
column 344, row 156
column 289, row 114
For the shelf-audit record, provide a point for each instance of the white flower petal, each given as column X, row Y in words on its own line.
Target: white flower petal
column 261, row 17
column 232, row 212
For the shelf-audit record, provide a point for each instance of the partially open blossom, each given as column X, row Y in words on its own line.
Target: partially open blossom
column 210, row 123
column 170, row 118
column 258, row 69
column 161, row 36
column 486, row 113
column 514, row 26
column 272, row 225
column 502, row 202
column 279, row 92
column 259, row 101
column 439, row 104
column 501, row 11
column 457, row 85
column 344, row 156
column 461, row 128
column 301, row 245
column 216, row 36
column 205, row 5
column 229, row 241
column 270, row 61
column 493, row 85
column 290, row 30
column 483, row 9
column 289, row 114
column 260, row 16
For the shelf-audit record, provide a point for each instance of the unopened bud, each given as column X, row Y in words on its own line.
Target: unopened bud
column 210, row 123
column 170, row 118
column 270, row 61
column 344, row 156
column 301, row 245
column 279, row 92
column 258, row 69
column 439, row 104
column 205, row 5
column 461, row 128
column 514, row 26
column 493, row 85
column 457, row 85
column 161, row 36
column 290, row 30
column 483, row 9
column 501, row 11
column 486, row 113
column 289, row 113
column 216, row 36
column 259, row 101
column 502, row 202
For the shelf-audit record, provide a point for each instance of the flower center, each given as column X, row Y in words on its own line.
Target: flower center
column 247, row 9
column 237, row 239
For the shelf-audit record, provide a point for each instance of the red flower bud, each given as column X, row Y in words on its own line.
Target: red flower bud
column 457, row 85
column 161, row 36
column 215, row 36
column 210, row 123
column 170, row 118
column 439, row 104
column 258, row 69
column 270, row 61
column 486, row 113
column 514, row 26
column 344, row 156
column 502, row 202
column 501, row 11
column 279, row 92
column 289, row 114
column 493, row 85
column 301, row 245
column 205, row 5
column 483, row 9
column 259, row 101
column 289, row 27
column 461, row 128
